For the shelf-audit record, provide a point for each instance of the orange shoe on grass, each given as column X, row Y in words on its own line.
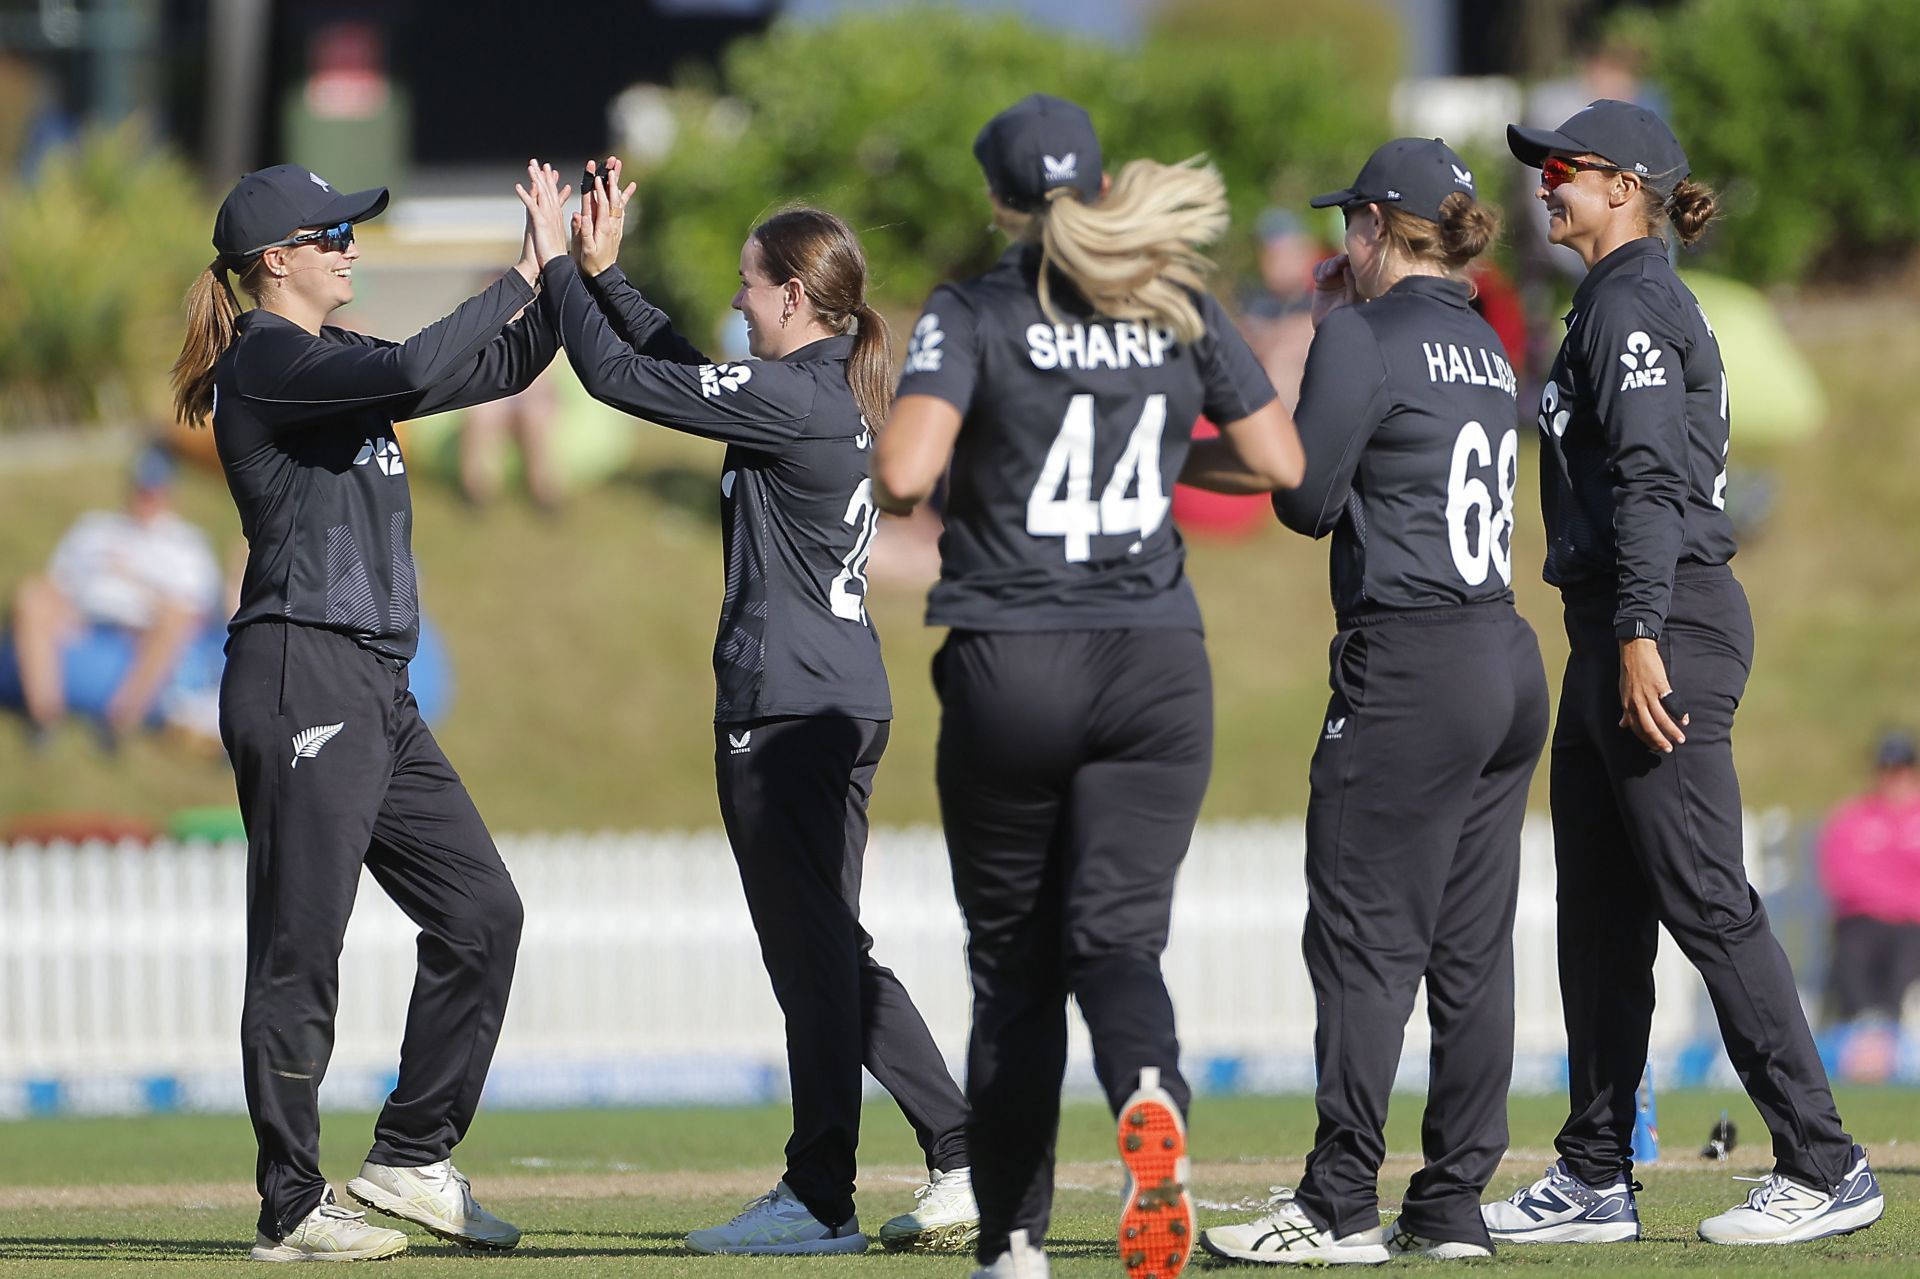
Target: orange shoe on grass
column 1156, row 1225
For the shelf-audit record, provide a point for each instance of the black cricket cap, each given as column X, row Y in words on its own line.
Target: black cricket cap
column 1896, row 750
column 1415, row 174
column 1036, row 145
column 271, row 204
column 1618, row 132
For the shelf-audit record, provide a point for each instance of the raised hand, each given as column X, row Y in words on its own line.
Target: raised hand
column 1333, row 287
column 546, row 204
column 601, row 221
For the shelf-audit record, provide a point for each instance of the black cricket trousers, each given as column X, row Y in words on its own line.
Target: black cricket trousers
column 793, row 796
column 1419, row 788
column 1642, row 840
column 336, row 769
column 1071, row 766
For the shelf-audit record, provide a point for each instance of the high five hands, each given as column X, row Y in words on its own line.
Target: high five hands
column 598, row 226
column 546, row 204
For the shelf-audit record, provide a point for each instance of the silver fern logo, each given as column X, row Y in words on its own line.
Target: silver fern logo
column 923, row 348
column 308, row 741
column 1061, row 168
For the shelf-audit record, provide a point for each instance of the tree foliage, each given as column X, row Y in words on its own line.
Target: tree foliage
column 873, row 116
column 1805, row 116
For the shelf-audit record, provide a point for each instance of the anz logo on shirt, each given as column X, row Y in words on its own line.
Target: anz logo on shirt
column 1642, row 359
column 384, row 452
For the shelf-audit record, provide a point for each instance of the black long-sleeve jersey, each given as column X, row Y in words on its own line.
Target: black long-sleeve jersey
column 304, row 426
column 1633, row 478
column 1408, row 418
column 1072, row 435
column 797, row 504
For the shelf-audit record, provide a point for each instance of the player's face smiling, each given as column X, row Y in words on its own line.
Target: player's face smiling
column 1577, row 208
column 761, row 301
column 317, row 277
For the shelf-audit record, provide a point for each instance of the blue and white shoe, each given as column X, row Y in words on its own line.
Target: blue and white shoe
column 1781, row 1210
column 1561, row 1208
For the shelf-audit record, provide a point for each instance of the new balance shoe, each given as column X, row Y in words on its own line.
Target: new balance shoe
column 946, row 1219
column 1156, row 1219
column 331, row 1233
column 779, row 1225
column 1019, row 1261
column 1404, row 1243
column 1561, row 1208
column 1286, row 1236
column 1780, row 1210
column 436, row 1197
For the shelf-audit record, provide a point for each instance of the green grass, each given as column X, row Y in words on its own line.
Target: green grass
column 581, row 644
column 613, row 1192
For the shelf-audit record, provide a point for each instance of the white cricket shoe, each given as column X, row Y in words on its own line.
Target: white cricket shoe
column 1019, row 1261
column 436, row 1197
column 1781, row 1210
column 1286, row 1236
column 331, row 1233
column 777, row 1224
column 1404, row 1243
column 1561, row 1208
column 946, row 1218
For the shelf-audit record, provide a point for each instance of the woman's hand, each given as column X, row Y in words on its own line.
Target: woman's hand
column 601, row 221
column 546, row 203
column 1643, row 682
column 1333, row 287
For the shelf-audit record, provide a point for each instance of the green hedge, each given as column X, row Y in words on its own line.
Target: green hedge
column 873, row 116
column 1804, row 113
column 95, row 256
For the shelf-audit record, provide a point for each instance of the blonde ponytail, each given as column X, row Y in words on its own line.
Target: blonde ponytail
column 213, row 316
column 1136, row 254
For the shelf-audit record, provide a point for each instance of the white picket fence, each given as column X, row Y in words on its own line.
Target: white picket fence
column 639, row 977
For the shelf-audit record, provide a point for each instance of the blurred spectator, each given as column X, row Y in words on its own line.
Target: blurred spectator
column 530, row 420
column 1275, row 314
column 143, row 572
column 1870, row 868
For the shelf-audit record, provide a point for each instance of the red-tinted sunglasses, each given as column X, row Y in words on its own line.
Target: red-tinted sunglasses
column 1557, row 170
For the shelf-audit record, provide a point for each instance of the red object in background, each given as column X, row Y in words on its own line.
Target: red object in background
column 1222, row 516
column 1499, row 305
column 77, row 828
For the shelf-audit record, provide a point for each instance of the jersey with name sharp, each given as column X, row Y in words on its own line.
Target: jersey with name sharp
column 1074, row 430
column 304, row 427
column 797, row 505
column 1633, row 478
column 1408, row 418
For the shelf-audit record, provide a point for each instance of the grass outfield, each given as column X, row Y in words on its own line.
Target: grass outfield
column 604, row 1193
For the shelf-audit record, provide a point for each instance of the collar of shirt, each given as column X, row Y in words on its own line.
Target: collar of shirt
column 1437, row 287
column 1632, row 251
column 838, row 347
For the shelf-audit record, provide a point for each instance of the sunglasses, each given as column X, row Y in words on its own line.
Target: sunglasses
column 332, row 239
column 1558, row 170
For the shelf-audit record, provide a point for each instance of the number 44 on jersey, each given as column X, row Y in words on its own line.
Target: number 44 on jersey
column 1062, row 503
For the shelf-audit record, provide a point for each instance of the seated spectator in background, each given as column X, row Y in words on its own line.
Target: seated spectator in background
column 1870, row 868
column 529, row 419
column 1276, row 315
column 144, row 570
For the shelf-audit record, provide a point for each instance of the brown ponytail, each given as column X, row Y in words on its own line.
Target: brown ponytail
column 213, row 315
column 870, row 370
column 1688, row 210
column 1465, row 230
column 822, row 252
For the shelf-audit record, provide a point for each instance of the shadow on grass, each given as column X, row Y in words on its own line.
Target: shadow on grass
column 639, row 1243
